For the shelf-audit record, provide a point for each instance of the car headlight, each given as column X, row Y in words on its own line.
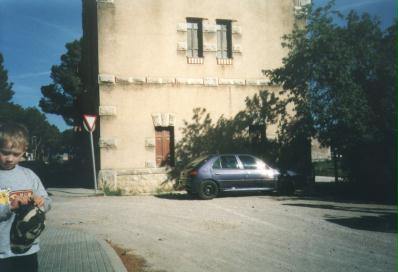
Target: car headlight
column 272, row 173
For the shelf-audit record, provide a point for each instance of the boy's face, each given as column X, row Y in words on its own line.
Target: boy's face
column 10, row 156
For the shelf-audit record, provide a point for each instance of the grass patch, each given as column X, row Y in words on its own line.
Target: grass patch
column 112, row 192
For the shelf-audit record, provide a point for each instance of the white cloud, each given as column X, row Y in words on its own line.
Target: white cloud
column 57, row 27
column 29, row 75
column 348, row 5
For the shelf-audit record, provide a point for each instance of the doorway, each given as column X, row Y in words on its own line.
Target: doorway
column 164, row 146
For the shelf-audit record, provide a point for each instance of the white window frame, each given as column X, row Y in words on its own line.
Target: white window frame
column 194, row 35
column 224, row 49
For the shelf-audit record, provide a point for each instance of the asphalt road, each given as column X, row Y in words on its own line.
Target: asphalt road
column 239, row 233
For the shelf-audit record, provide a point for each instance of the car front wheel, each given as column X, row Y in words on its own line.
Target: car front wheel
column 208, row 189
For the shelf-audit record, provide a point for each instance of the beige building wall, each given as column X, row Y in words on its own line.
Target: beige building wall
column 144, row 74
column 140, row 37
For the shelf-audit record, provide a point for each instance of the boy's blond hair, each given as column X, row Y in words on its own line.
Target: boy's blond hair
column 14, row 133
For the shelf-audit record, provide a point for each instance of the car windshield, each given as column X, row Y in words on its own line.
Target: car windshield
column 197, row 161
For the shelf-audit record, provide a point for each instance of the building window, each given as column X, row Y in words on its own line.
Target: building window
column 194, row 38
column 224, row 39
column 164, row 146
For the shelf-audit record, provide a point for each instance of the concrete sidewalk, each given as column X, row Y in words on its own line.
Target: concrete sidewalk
column 65, row 249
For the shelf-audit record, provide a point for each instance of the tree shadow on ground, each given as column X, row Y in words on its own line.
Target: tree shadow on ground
column 382, row 223
column 383, row 220
column 184, row 196
column 249, row 194
column 345, row 192
column 176, row 196
column 341, row 208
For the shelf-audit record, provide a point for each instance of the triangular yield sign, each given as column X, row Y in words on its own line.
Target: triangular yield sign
column 89, row 120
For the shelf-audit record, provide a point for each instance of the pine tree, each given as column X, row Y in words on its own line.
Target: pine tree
column 6, row 92
column 62, row 96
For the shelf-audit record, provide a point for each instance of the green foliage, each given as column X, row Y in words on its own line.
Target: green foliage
column 67, row 141
column 111, row 192
column 43, row 136
column 6, row 92
column 342, row 82
column 263, row 108
column 295, row 146
column 324, row 168
column 203, row 137
column 63, row 96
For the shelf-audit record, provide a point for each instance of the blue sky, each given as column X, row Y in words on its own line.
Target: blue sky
column 33, row 34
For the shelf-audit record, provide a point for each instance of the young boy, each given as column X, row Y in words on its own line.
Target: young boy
column 19, row 188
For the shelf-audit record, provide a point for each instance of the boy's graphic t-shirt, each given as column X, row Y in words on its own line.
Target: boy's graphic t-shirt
column 22, row 193
column 19, row 181
column 4, row 196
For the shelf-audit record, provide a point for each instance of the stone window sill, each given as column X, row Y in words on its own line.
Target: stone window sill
column 191, row 60
column 224, row 61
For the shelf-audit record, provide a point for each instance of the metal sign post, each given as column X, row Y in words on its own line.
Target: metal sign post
column 93, row 157
column 89, row 125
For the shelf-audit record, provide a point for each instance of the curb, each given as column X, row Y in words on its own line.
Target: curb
column 73, row 192
column 116, row 262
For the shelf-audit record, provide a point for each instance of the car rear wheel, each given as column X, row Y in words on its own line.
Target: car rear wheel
column 208, row 189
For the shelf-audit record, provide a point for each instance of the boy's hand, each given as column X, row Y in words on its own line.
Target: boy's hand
column 38, row 200
column 19, row 201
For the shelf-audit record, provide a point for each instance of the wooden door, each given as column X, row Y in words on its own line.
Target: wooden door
column 164, row 144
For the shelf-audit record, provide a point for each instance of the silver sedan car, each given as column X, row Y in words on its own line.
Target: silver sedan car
column 209, row 175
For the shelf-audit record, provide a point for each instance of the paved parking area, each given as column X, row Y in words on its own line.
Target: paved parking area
column 254, row 232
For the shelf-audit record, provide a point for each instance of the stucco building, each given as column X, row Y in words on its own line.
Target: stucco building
column 154, row 61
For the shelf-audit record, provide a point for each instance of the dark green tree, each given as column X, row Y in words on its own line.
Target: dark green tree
column 341, row 79
column 261, row 109
column 44, row 137
column 6, row 92
column 63, row 96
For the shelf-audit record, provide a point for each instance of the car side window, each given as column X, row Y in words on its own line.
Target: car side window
column 229, row 162
column 248, row 162
column 217, row 164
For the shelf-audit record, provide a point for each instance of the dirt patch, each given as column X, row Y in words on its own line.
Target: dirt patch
column 132, row 262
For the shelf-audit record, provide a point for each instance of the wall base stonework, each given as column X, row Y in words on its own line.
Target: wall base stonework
column 136, row 181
